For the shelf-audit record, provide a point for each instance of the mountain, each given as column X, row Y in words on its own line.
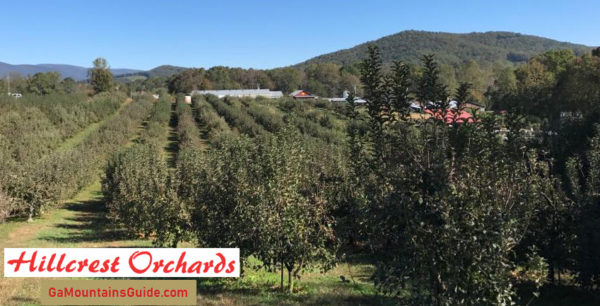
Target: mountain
column 76, row 72
column 165, row 71
column 453, row 49
column 489, row 48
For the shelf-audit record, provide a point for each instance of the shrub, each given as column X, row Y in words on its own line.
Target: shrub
column 236, row 116
column 135, row 189
column 206, row 116
column 157, row 124
column 187, row 129
column 6, row 206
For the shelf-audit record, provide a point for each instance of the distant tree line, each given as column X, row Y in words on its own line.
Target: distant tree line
column 47, row 83
column 42, row 83
column 321, row 78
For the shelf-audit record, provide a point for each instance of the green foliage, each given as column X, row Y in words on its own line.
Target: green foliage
column 430, row 89
column 100, row 76
column 451, row 223
column 220, row 218
column 449, row 215
column 41, row 178
column 6, row 206
column 157, row 124
column 44, row 83
column 440, row 207
column 34, row 126
column 69, row 86
column 187, row 130
column 236, row 116
column 372, row 82
column 286, row 79
column 584, row 177
column 207, row 117
column 327, row 80
column 139, row 191
column 398, row 84
column 577, row 88
column 462, row 95
column 470, row 72
column 556, row 61
column 271, row 121
column 505, row 84
column 298, row 230
column 187, row 81
column 135, row 189
column 279, row 211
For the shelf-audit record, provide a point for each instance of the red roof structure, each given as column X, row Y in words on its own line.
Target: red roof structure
column 302, row 94
column 451, row 116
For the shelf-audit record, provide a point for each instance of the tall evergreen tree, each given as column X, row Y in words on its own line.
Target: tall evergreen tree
column 462, row 95
column 429, row 87
column 399, row 84
column 372, row 80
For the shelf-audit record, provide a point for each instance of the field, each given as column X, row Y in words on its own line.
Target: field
column 291, row 183
column 79, row 216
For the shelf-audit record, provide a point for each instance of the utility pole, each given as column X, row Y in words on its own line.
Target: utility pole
column 8, row 79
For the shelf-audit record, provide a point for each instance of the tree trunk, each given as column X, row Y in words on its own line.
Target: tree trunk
column 551, row 272
column 241, row 267
column 30, row 219
column 290, row 281
column 175, row 241
column 282, row 276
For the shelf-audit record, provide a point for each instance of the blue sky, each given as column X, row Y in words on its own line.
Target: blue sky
column 259, row 34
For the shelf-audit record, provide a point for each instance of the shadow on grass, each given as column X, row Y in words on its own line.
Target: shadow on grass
column 17, row 219
column 24, row 300
column 565, row 295
column 88, row 225
column 235, row 292
column 172, row 147
column 203, row 130
column 275, row 297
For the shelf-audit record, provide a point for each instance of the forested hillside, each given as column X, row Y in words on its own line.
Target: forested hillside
column 454, row 49
column 157, row 72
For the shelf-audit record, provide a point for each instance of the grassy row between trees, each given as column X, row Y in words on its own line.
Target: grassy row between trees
column 207, row 117
column 313, row 121
column 156, row 127
column 135, row 176
column 60, row 174
column 231, row 110
column 187, row 129
column 34, row 126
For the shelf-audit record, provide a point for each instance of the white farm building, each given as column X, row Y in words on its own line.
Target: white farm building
column 252, row 93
